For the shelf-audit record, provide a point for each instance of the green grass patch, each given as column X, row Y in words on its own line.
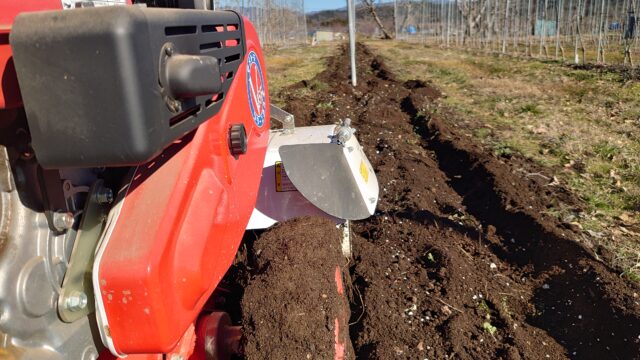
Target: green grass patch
column 482, row 133
column 530, row 108
column 449, row 75
column 287, row 66
column 325, row 105
column 605, row 150
column 582, row 75
column 501, row 149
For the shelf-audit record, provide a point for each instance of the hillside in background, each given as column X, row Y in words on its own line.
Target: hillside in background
column 336, row 20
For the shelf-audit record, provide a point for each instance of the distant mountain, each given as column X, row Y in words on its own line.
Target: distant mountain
column 336, row 20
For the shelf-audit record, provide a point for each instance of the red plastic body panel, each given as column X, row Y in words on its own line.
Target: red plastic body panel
column 10, row 8
column 9, row 90
column 181, row 224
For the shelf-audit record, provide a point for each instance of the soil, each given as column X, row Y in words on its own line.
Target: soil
column 626, row 73
column 460, row 260
column 293, row 306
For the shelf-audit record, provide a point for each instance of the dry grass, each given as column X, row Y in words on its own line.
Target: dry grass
column 287, row 66
column 614, row 51
column 583, row 126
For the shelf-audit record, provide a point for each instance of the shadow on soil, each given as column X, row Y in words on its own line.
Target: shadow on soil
column 572, row 305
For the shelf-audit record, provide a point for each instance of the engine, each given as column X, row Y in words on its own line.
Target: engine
column 131, row 155
column 135, row 150
column 40, row 213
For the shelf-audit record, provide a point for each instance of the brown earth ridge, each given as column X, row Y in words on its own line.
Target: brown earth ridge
column 459, row 261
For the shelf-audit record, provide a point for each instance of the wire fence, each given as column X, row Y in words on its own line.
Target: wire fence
column 278, row 22
column 581, row 31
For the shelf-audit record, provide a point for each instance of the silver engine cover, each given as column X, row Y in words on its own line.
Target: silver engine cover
column 33, row 261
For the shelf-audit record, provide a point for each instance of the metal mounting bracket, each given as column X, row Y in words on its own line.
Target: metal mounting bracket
column 76, row 298
column 287, row 120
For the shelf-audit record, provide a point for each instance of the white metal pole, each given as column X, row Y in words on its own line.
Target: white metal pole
column 351, row 10
column 304, row 21
column 395, row 18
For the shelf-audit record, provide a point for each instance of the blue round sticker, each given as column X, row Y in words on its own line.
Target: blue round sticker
column 256, row 89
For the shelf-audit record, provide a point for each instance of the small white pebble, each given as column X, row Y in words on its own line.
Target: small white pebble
column 493, row 266
column 546, row 286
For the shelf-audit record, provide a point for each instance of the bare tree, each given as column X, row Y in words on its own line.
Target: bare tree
column 505, row 27
column 372, row 10
column 629, row 34
column 528, row 49
column 472, row 12
column 543, row 33
column 448, row 22
column 579, row 16
column 600, row 59
column 406, row 12
column 588, row 26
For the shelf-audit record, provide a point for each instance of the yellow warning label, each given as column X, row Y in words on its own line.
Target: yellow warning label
column 364, row 172
column 283, row 183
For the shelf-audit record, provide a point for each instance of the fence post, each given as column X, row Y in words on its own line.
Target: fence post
column 351, row 10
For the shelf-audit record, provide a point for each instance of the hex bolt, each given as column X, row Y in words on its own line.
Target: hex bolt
column 63, row 221
column 344, row 131
column 76, row 301
column 103, row 196
column 175, row 105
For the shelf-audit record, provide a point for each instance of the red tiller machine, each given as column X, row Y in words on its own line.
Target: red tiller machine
column 135, row 150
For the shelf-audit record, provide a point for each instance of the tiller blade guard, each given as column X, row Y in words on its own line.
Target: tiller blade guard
column 314, row 171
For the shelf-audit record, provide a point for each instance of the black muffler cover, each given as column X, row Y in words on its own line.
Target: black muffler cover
column 113, row 86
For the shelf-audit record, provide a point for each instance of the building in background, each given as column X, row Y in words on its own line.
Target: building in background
column 323, row 36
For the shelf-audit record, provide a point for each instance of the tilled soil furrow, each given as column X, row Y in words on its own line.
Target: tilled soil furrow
column 459, row 262
column 576, row 290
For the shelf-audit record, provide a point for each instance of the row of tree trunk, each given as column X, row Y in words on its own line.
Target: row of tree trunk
column 592, row 29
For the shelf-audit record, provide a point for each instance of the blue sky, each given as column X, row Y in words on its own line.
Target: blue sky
column 315, row 5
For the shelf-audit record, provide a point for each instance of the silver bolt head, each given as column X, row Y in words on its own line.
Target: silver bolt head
column 176, row 106
column 63, row 220
column 76, row 301
column 104, row 196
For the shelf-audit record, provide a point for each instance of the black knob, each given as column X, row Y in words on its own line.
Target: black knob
column 237, row 140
